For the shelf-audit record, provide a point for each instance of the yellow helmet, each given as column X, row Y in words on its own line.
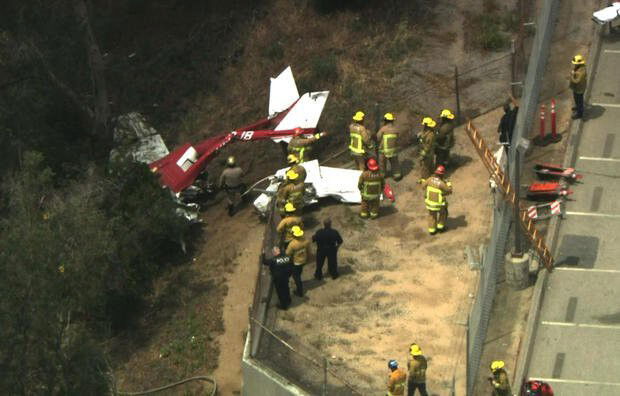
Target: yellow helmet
column 289, row 207
column 389, row 117
column 292, row 175
column 359, row 116
column 579, row 60
column 297, row 231
column 447, row 114
column 230, row 161
column 497, row 364
column 415, row 350
column 292, row 159
column 429, row 122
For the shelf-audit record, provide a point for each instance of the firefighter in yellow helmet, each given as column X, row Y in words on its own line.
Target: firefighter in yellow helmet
column 293, row 161
column 301, row 146
column 388, row 146
column 578, row 83
column 299, row 250
column 416, row 366
column 499, row 379
column 291, row 219
column 426, row 155
column 445, row 137
column 370, row 184
column 436, row 189
column 361, row 143
column 292, row 191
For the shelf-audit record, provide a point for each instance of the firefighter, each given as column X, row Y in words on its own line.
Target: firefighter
column 445, row 137
column 293, row 161
column 499, row 379
column 416, row 365
column 370, row 184
column 426, row 155
column 578, row 83
column 291, row 191
column 301, row 146
column 388, row 146
column 396, row 379
column 231, row 183
column 436, row 189
column 280, row 268
column 298, row 249
column 290, row 220
column 361, row 145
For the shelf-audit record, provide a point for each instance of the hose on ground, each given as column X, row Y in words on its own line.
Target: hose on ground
column 172, row 385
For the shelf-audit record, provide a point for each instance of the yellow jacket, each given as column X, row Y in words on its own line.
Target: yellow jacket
column 298, row 249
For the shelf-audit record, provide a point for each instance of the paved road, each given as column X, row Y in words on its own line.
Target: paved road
column 577, row 342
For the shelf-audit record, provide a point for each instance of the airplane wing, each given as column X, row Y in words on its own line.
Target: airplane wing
column 304, row 114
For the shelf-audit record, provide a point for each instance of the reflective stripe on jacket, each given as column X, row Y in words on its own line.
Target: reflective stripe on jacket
column 356, row 145
column 371, row 190
column 434, row 198
column 388, row 144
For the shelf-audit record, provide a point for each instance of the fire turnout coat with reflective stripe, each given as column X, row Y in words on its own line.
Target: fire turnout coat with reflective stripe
column 427, row 142
column 286, row 226
column 445, row 135
column 388, row 140
column 291, row 192
column 361, row 139
column 300, row 170
column 301, row 145
column 298, row 249
column 396, row 382
column 436, row 190
column 371, row 185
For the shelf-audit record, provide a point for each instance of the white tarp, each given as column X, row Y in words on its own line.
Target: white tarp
column 327, row 182
column 282, row 92
column 607, row 14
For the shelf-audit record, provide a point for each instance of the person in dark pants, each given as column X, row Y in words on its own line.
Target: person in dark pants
column 327, row 242
column 280, row 266
column 578, row 83
column 507, row 123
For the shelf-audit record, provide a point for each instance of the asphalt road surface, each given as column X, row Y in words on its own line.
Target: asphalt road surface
column 577, row 341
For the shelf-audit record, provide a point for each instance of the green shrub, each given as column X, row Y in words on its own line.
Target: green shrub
column 489, row 35
column 274, row 51
column 324, row 68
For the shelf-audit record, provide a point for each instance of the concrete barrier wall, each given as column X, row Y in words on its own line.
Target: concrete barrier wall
column 262, row 381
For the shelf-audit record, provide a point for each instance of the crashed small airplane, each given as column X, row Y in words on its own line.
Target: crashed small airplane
column 182, row 169
column 287, row 111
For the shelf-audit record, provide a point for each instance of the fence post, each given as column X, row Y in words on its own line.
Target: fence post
column 324, row 376
column 457, row 94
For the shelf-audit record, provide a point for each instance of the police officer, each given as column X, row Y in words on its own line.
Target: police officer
column 280, row 267
column 231, row 182
column 327, row 242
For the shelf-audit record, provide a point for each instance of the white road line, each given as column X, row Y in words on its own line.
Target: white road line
column 569, row 381
column 604, row 271
column 612, row 51
column 600, row 159
column 581, row 325
column 606, row 104
column 611, row 216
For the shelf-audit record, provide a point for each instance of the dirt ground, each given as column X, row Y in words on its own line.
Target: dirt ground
column 399, row 284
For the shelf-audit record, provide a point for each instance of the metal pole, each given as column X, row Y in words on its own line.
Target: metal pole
column 518, row 248
column 513, row 66
column 324, row 376
column 457, row 94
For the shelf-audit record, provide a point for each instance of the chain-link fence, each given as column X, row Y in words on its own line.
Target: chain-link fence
column 471, row 89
